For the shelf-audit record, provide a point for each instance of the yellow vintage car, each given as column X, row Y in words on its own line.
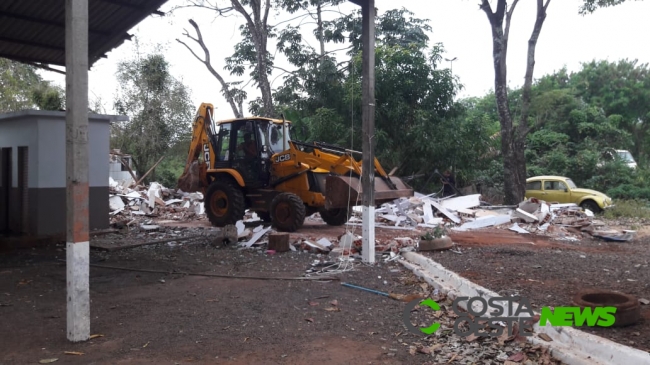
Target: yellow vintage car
column 563, row 190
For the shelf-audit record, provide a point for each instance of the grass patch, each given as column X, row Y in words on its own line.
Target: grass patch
column 628, row 209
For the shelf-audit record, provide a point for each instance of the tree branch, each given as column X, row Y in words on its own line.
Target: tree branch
column 506, row 32
column 266, row 12
column 208, row 64
column 240, row 9
column 530, row 66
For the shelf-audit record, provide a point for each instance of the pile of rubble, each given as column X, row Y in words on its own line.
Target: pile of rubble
column 127, row 203
column 144, row 206
column 463, row 213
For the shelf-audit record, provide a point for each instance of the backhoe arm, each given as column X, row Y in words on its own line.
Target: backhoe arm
column 194, row 175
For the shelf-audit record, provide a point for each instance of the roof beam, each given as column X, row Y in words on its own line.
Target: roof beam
column 24, row 59
column 48, row 22
column 129, row 5
column 31, row 44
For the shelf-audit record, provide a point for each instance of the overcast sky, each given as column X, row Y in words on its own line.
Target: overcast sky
column 567, row 39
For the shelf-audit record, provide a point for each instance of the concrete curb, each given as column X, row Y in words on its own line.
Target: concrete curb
column 569, row 345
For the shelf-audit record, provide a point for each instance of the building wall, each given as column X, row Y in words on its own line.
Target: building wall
column 43, row 133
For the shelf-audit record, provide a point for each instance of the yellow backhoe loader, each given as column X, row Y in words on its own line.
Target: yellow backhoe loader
column 252, row 163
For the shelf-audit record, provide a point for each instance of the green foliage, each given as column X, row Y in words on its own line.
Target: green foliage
column 621, row 91
column 21, row 88
column 637, row 208
column 589, row 6
column 432, row 234
column 417, row 124
column 160, row 113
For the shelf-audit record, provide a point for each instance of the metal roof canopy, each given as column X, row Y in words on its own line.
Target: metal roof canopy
column 34, row 30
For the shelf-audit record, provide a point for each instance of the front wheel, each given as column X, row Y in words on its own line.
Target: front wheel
column 335, row 217
column 224, row 203
column 287, row 212
column 591, row 205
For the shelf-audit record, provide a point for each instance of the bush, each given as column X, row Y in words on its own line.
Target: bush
column 629, row 192
column 629, row 209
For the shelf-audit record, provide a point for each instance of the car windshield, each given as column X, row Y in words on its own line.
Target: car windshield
column 571, row 184
column 626, row 156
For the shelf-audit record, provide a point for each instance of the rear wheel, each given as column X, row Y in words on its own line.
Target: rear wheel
column 335, row 217
column 287, row 212
column 224, row 203
column 591, row 205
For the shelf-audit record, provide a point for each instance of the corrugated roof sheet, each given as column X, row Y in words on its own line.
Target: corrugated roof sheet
column 34, row 30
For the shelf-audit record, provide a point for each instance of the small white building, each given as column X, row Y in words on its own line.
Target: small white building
column 33, row 172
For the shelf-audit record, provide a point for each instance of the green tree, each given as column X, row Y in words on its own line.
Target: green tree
column 513, row 130
column 21, row 87
column 159, row 109
column 417, row 128
column 619, row 88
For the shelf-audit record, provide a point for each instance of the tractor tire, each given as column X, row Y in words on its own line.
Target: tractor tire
column 591, row 205
column 224, row 203
column 335, row 217
column 287, row 212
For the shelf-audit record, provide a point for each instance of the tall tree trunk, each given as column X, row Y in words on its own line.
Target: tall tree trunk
column 258, row 27
column 319, row 31
column 263, row 78
column 513, row 137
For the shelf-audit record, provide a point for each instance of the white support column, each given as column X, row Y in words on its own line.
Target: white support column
column 76, row 134
column 368, row 243
column 368, row 130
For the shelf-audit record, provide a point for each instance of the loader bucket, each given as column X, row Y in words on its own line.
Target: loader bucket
column 190, row 180
column 344, row 191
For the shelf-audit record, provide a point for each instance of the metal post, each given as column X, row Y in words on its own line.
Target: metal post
column 76, row 137
column 368, row 130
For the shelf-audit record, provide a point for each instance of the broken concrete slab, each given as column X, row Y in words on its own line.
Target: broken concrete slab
column 257, row 236
column 453, row 217
column 529, row 206
column 428, row 212
column 462, row 202
column 324, row 242
column 115, row 203
column 515, row 227
column 525, row 216
column 316, row 246
column 483, row 222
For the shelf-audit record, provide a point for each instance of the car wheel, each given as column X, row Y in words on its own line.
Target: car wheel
column 591, row 205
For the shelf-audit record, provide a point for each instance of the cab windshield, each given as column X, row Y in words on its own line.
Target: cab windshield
column 274, row 136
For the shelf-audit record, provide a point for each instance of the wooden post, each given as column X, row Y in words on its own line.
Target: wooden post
column 368, row 130
column 279, row 242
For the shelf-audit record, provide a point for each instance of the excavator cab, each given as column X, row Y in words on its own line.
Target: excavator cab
column 252, row 163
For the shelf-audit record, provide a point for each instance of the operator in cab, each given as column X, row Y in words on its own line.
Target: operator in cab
column 249, row 147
